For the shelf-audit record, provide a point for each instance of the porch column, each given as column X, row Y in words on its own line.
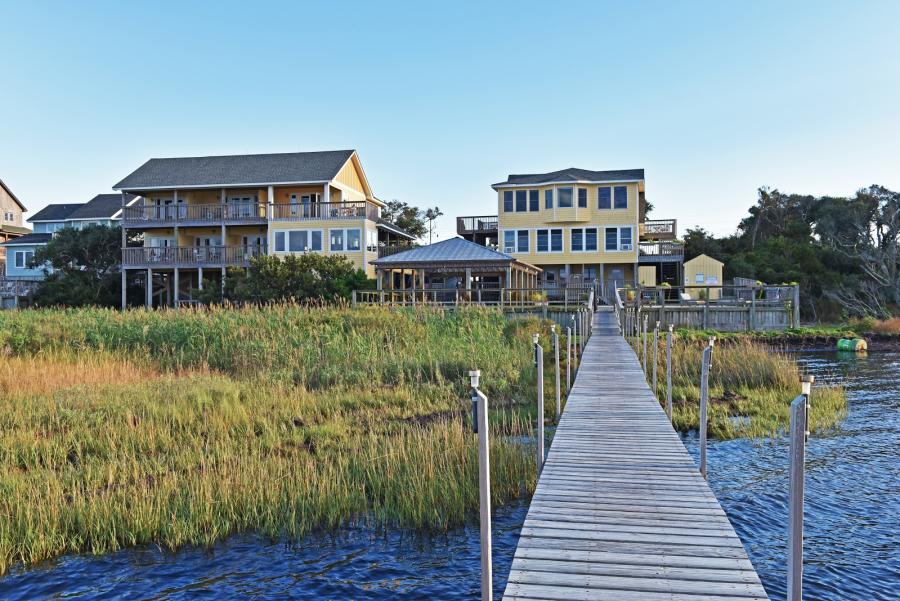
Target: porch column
column 122, row 255
column 601, row 268
column 148, row 302
column 222, row 201
column 176, row 295
column 379, row 277
column 468, row 279
column 326, row 193
column 199, row 278
column 635, row 274
column 270, row 206
column 124, row 289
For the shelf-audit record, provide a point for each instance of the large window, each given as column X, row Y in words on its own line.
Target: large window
column 534, row 200
column 337, row 240
column 548, row 199
column 521, row 201
column 349, row 239
column 515, row 241
column 298, row 240
column 582, row 198
column 507, row 201
column 549, row 240
column 23, row 258
column 564, row 198
column 619, row 238
column 604, row 197
column 584, row 239
column 621, row 199
column 612, row 238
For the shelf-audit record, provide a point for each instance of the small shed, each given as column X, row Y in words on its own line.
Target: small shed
column 453, row 264
column 703, row 270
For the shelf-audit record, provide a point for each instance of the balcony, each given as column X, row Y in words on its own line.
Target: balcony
column 190, row 256
column 483, row 224
column 658, row 229
column 325, row 211
column 660, row 252
column 200, row 214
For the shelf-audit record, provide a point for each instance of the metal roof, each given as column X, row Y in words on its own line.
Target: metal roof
column 247, row 169
column 572, row 174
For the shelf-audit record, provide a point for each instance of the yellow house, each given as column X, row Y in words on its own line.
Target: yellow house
column 703, row 270
column 198, row 216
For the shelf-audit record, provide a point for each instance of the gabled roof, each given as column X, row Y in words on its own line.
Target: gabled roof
column 102, row 206
column 58, row 212
column 451, row 250
column 29, row 239
column 386, row 225
column 13, row 196
column 237, row 170
column 572, row 174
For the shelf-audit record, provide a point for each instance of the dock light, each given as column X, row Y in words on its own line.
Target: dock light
column 671, row 327
column 712, row 341
column 806, row 383
column 657, row 324
column 534, row 338
column 473, row 377
column 553, row 328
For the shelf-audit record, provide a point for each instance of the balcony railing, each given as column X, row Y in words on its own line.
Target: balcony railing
column 659, row 229
column 250, row 212
column 393, row 249
column 661, row 249
column 324, row 210
column 477, row 224
column 190, row 256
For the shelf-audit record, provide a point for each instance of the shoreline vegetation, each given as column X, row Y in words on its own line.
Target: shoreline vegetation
column 182, row 427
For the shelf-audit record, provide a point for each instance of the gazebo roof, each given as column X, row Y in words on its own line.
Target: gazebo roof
column 452, row 252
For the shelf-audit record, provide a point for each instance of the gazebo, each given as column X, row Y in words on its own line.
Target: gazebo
column 453, row 264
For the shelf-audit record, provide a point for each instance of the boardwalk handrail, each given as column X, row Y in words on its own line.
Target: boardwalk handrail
column 565, row 298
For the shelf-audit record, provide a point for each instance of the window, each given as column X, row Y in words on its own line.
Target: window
column 354, row 240
column 372, row 240
column 699, row 278
column 521, row 201
column 548, row 199
column 515, row 241
column 582, row 198
column 564, row 198
column 337, row 239
column 604, row 197
column 298, row 240
column 23, row 258
column 279, row 242
column 534, row 200
column 584, row 239
column 549, row 240
column 8, row 216
column 625, row 238
column 612, row 238
column 621, row 197
column 507, row 201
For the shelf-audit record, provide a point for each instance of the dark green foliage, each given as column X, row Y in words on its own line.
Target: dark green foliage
column 410, row 218
column 309, row 276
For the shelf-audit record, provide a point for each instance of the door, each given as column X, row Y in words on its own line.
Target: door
column 207, row 249
column 253, row 246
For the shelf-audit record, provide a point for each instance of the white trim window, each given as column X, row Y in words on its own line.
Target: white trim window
column 23, row 258
column 515, row 241
column 372, row 240
column 8, row 216
column 564, row 198
column 548, row 198
column 521, row 201
column 619, row 239
column 341, row 240
column 583, row 239
column 550, row 240
column 620, row 197
column 298, row 240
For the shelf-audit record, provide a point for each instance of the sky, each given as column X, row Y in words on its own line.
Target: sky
column 712, row 99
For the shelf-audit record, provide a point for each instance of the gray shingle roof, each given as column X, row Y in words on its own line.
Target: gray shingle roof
column 447, row 251
column 573, row 174
column 29, row 239
column 102, row 206
column 59, row 212
column 235, row 170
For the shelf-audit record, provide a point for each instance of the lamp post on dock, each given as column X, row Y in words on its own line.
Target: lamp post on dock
column 480, row 423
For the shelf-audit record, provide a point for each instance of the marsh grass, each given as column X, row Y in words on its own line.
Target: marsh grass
column 180, row 428
column 751, row 389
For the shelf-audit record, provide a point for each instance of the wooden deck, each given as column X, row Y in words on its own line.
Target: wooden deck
column 621, row 511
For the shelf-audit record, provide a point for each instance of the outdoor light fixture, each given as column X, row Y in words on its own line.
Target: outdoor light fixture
column 806, row 383
column 534, row 338
column 473, row 376
column 712, row 341
column 553, row 328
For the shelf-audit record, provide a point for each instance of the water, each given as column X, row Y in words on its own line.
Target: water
column 852, row 527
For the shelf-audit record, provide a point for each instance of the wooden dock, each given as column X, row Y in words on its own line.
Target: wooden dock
column 621, row 511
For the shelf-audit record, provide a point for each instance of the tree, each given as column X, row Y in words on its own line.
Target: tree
column 644, row 207
column 430, row 216
column 697, row 241
column 310, row 276
column 405, row 216
column 81, row 267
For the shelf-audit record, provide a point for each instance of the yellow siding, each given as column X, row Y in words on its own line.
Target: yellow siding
column 349, row 176
column 647, row 275
column 360, row 259
column 707, row 267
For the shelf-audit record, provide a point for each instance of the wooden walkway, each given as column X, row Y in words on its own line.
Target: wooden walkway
column 621, row 511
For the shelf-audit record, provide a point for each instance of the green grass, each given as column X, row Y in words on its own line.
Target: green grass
column 175, row 428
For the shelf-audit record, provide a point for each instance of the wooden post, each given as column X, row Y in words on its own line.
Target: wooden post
column 704, row 401
column 568, row 361
column 751, row 321
column 795, row 305
column 539, row 431
column 644, row 354
column 556, row 363
column 480, row 422
column 799, row 434
column 124, row 288
column 148, row 301
column 655, row 355
column 669, row 373
column 706, row 310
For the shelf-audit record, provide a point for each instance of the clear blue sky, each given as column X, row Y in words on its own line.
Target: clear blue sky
column 713, row 99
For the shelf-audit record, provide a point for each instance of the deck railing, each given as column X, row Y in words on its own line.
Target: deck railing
column 324, row 210
column 393, row 249
column 177, row 213
column 659, row 229
column 188, row 256
column 509, row 298
column 661, row 249
column 483, row 223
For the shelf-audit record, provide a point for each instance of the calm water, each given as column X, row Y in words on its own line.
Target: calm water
column 852, row 527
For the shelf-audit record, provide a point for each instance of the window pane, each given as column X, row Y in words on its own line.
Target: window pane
column 556, row 241
column 20, row 259
column 29, row 255
column 543, row 242
column 353, row 240
column 590, row 239
column 582, row 198
column 564, row 198
column 577, row 240
column 612, row 235
column 624, row 236
column 297, row 241
column 279, row 241
column 507, row 201
column 698, row 278
column 548, row 199
column 604, row 198
column 509, row 241
column 315, row 240
column 534, row 200
column 337, row 239
column 523, row 241
column 621, row 197
column 521, row 198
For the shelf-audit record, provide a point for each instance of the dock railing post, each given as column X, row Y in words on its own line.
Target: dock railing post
column 669, row 373
column 480, row 424
column 655, row 356
column 568, row 361
column 644, row 353
column 704, row 402
column 556, row 363
column 799, row 433
column 539, row 431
